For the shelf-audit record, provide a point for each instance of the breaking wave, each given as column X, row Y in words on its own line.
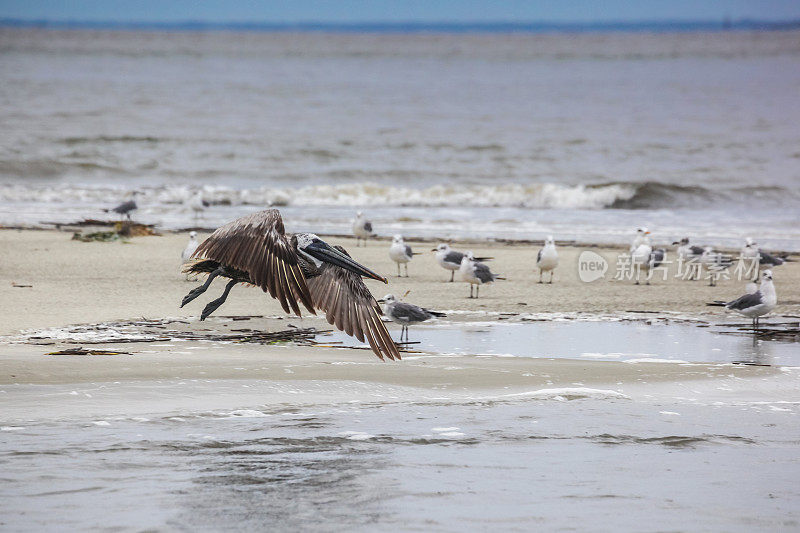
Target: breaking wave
column 616, row 195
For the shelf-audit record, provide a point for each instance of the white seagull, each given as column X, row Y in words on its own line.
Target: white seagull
column 644, row 257
column 475, row 273
column 715, row 263
column 641, row 233
column 400, row 253
column 755, row 304
column 406, row 314
column 751, row 251
column 547, row 258
column 362, row 228
column 188, row 252
column 450, row 259
column 197, row 204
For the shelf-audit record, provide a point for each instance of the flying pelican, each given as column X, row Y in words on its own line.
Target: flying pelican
column 450, row 259
column 294, row 269
column 755, row 304
column 475, row 273
column 547, row 258
column 406, row 314
column 400, row 253
column 188, row 252
column 362, row 228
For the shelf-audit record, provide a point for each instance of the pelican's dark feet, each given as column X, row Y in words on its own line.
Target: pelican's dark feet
column 194, row 293
column 212, row 306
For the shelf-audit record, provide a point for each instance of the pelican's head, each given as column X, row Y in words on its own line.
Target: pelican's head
column 397, row 239
column 388, row 299
column 319, row 251
column 192, row 234
column 444, row 248
column 766, row 275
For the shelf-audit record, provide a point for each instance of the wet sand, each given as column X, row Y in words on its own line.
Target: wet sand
column 75, row 282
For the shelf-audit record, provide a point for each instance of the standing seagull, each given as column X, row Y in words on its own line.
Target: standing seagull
column 198, row 204
column 641, row 234
column 362, row 228
column 406, row 314
column 751, row 251
column 400, row 253
column 755, row 304
column 475, row 273
column 294, row 269
column 547, row 258
column 126, row 207
column 450, row 259
column 644, row 257
column 188, row 252
column 689, row 255
column 716, row 263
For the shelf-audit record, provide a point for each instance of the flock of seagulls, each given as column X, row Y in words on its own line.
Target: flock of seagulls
column 302, row 270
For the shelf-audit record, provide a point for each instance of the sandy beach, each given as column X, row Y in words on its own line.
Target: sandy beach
column 75, row 282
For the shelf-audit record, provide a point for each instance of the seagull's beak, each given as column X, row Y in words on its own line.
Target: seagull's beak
column 647, row 233
column 381, row 301
column 324, row 252
column 434, row 250
column 676, row 242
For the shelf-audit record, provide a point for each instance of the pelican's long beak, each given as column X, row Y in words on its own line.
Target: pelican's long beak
column 326, row 253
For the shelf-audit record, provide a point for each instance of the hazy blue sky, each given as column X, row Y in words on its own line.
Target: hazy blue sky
column 339, row 11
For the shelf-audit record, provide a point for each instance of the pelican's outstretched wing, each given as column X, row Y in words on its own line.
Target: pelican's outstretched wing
column 349, row 305
column 257, row 244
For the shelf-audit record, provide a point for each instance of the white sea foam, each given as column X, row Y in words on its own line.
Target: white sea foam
column 569, row 393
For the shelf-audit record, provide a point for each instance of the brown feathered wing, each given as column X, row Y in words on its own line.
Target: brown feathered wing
column 349, row 306
column 258, row 245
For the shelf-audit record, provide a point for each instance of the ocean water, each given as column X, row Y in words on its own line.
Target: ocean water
column 585, row 136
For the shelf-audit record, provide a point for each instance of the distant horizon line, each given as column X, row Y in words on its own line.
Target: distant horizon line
column 411, row 26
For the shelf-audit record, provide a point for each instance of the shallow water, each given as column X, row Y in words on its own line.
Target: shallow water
column 424, row 464
column 597, row 340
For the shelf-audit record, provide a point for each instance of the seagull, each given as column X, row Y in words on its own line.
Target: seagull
column 294, row 269
column 715, row 262
column 450, row 259
column 644, row 257
column 400, row 253
column 188, row 252
column 751, row 251
column 755, row 304
column 690, row 254
column 126, row 207
column 641, row 233
column 406, row 314
column 362, row 228
column 547, row 258
column 198, row 204
column 687, row 251
column 475, row 273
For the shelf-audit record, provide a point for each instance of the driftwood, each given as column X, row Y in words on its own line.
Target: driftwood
column 81, row 351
